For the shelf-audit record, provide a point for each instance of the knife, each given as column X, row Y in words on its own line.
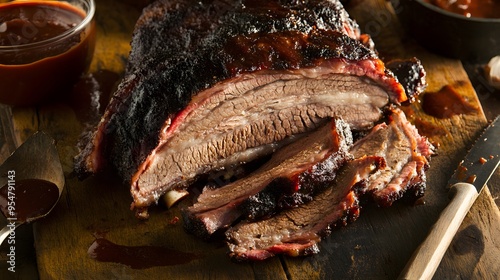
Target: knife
column 466, row 184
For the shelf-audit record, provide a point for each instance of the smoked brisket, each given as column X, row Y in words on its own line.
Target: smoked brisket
column 388, row 163
column 288, row 172
column 211, row 84
column 297, row 232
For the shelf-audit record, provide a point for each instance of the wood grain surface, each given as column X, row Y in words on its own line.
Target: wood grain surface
column 376, row 246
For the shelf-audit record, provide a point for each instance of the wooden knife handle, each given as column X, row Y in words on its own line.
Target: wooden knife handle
column 425, row 260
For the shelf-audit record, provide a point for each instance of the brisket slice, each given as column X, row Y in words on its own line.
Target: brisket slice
column 211, row 84
column 400, row 155
column 298, row 231
column 285, row 172
column 407, row 155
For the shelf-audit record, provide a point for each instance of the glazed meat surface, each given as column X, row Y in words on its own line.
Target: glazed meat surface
column 211, row 84
column 388, row 163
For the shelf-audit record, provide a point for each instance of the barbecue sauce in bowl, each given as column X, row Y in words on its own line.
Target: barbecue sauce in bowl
column 470, row 8
column 44, row 48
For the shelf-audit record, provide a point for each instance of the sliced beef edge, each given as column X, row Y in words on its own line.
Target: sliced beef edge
column 389, row 162
column 407, row 154
column 298, row 231
column 282, row 174
column 254, row 111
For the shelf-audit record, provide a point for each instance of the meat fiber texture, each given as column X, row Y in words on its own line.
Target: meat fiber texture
column 386, row 164
column 211, row 84
column 287, row 178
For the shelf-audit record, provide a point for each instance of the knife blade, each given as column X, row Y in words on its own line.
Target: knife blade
column 467, row 182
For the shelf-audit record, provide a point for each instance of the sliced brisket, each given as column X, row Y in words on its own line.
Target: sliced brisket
column 389, row 162
column 212, row 83
column 407, row 154
column 298, row 231
column 287, row 170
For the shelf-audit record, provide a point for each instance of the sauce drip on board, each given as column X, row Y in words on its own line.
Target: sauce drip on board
column 445, row 103
column 32, row 198
column 470, row 8
column 137, row 257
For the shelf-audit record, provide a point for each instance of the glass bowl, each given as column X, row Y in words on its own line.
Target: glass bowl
column 45, row 46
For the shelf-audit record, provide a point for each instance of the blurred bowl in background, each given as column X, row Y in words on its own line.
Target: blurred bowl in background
column 474, row 39
column 45, row 46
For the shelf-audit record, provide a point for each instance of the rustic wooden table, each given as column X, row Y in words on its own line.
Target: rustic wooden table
column 376, row 246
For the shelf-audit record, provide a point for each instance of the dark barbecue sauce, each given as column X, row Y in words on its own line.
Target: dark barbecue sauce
column 470, row 8
column 32, row 70
column 445, row 103
column 24, row 23
column 137, row 257
column 30, row 23
column 461, row 173
column 32, row 198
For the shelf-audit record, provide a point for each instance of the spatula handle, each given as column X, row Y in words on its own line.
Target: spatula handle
column 426, row 258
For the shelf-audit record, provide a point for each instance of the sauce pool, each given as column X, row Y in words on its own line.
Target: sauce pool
column 31, row 197
column 137, row 257
column 446, row 103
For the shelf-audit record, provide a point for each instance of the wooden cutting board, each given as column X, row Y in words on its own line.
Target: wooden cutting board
column 376, row 246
